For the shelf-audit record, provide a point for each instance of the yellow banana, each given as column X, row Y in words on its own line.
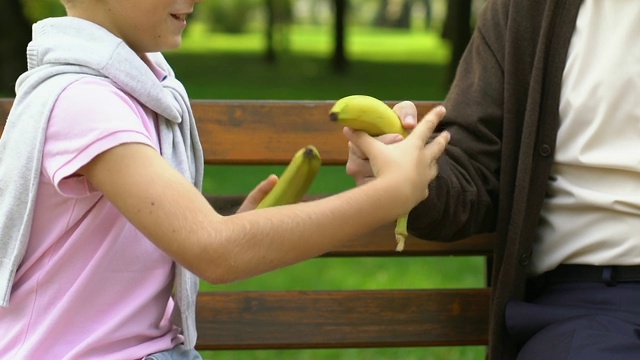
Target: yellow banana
column 296, row 178
column 373, row 116
column 368, row 114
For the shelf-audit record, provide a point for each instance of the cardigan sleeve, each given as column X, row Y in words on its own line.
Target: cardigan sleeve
column 464, row 196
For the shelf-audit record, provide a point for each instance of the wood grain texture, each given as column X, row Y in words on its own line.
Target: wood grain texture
column 342, row 319
column 5, row 107
column 262, row 131
column 270, row 132
column 381, row 241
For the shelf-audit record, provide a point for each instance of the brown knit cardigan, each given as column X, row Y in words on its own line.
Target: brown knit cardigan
column 502, row 113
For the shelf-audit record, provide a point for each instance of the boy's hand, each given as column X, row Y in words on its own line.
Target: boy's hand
column 411, row 163
column 258, row 193
column 358, row 165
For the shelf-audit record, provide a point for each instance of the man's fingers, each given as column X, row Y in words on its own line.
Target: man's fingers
column 355, row 152
column 408, row 114
column 360, row 170
column 390, row 138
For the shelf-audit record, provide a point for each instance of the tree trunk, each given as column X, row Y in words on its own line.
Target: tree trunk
column 428, row 13
column 380, row 20
column 339, row 56
column 270, row 54
column 15, row 34
column 457, row 29
column 404, row 20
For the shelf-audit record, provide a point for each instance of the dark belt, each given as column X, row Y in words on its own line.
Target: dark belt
column 609, row 275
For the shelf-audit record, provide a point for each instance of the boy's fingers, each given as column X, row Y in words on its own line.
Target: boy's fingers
column 425, row 128
column 361, row 140
column 434, row 150
column 437, row 146
column 385, row 139
column 258, row 193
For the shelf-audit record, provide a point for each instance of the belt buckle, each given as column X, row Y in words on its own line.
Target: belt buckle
column 609, row 275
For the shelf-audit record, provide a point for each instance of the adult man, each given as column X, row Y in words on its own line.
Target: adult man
column 544, row 138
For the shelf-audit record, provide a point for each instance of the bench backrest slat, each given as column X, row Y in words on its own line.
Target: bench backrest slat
column 381, row 241
column 5, row 106
column 270, row 132
column 342, row 319
column 263, row 131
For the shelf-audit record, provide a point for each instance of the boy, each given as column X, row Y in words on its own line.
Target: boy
column 92, row 240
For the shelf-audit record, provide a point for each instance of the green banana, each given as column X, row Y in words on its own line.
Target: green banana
column 373, row 116
column 296, row 178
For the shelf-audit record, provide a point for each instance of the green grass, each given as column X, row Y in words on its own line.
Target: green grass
column 388, row 64
column 300, row 77
column 231, row 66
column 436, row 353
column 363, row 43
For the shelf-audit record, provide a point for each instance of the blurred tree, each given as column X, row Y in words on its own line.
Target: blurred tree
column 15, row 31
column 270, row 54
column 404, row 19
column 428, row 13
column 394, row 13
column 230, row 16
column 339, row 52
column 381, row 14
column 457, row 29
column 315, row 11
column 279, row 19
column 40, row 9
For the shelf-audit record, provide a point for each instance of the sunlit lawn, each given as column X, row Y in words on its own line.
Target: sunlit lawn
column 388, row 64
column 232, row 65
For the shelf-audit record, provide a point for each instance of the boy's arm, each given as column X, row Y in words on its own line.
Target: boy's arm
column 175, row 216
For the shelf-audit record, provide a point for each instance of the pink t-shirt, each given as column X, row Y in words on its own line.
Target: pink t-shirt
column 91, row 286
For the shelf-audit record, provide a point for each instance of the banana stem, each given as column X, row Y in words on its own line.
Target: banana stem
column 401, row 232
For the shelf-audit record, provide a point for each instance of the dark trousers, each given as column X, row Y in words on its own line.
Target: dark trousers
column 578, row 321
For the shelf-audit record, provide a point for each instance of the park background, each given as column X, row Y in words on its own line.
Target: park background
column 393, row 50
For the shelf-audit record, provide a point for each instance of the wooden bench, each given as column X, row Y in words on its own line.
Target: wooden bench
column 269, row 132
